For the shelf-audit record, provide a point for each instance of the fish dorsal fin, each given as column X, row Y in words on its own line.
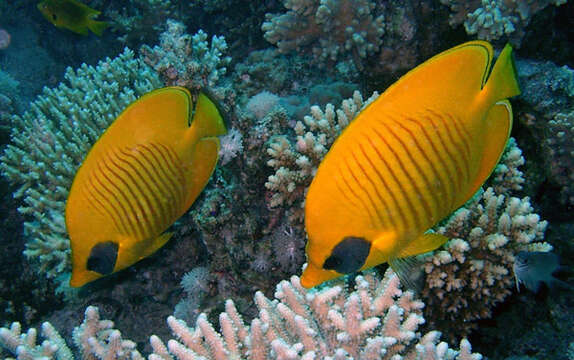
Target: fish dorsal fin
column 460, row 73
column 161, row 115
column 498, row 124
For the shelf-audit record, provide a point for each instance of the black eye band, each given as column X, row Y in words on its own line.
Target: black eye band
column 348, row 256
column 103, row 258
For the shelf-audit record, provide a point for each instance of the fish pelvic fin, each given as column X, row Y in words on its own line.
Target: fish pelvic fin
column 424, row 243
column 97, row 27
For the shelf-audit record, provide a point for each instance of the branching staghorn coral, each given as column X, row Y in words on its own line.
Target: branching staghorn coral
column 51, row 139
column 332, row 29
column 495, row 19
column 375, row 320
column 295, row 163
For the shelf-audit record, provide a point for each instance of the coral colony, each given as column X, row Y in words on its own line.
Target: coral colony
column 286, row 104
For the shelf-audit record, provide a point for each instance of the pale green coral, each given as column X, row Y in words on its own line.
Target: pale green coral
column 51, row 139
column 495, row 19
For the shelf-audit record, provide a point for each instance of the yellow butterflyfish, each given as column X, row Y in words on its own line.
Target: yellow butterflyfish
column 408, row 160
column 142, row 174
column 72, row 15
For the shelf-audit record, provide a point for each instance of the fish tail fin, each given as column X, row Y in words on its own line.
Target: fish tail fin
column 97, row 27
column 502, row 82
column 208, row 118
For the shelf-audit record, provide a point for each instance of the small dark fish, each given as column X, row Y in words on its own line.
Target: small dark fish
column 534, row 268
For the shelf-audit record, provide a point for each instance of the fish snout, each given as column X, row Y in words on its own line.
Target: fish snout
column 313, row 275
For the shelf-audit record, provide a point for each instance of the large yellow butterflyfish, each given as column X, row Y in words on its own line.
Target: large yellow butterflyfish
column 408, row 160
column 144, row 172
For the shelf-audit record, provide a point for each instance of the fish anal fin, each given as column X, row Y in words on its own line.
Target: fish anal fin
column 498, row 124
column 424, row 243
column 202, row 163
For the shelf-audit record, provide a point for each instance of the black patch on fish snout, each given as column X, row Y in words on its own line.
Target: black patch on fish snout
column 348, row 256
column 103, row 257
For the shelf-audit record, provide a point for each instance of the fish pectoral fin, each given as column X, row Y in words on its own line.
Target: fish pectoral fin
column 156, row 244
column 424, row 243
column 97, row 27
column 499, row 123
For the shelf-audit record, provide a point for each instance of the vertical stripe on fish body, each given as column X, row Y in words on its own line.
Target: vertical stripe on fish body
column 143, row 173
column 413, row 156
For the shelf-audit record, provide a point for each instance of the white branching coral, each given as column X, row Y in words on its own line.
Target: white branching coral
column 507, row 177
column 24, row 345
column 375, row 320
column 473, row 271
column 97, row 339
column 51, row 139
column 295, row 163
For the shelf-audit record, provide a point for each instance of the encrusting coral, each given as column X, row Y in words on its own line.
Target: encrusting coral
column 50, row 140
column 332, row 29
column 187, row 60
column 548, row 90
column 375, row 320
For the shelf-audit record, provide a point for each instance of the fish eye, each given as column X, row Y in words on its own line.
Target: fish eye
column 349, row 255
column 103, row 257
column 54, row 17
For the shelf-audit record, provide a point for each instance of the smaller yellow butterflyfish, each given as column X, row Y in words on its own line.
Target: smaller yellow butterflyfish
column 142, row 174
column 408, row 160
column 72, row 15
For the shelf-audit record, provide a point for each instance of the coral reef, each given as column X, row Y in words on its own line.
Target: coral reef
column 141, row 21
column 187, row 60
column 295, row 162
column 473, row 272
column 548, row 92
column 50, row 140
column 496, row 19
column 8, row 97
column 332, row 29
column 376, row 320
